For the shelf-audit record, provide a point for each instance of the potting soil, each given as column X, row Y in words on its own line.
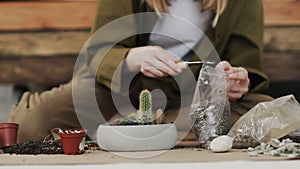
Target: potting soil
column 35, row 147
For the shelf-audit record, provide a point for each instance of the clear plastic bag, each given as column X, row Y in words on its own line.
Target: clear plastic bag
column 210, row 110
column 295, row 136
column 265, row 121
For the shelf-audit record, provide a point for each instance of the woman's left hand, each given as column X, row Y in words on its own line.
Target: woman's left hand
column 238, row 77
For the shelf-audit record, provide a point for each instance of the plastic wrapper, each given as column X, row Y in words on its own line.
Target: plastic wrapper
column 210, row 110
column 265, row 121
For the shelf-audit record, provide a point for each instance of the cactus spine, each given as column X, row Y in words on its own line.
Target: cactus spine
column 145, row 114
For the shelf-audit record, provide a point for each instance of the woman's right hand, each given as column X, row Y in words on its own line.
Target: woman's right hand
column 152, row 61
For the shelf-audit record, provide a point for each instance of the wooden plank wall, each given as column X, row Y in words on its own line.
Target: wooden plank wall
column 33, row 33
column 282, row 46
column 79, row 14
column 40, row 40
column 47, row 14
column 282, row 12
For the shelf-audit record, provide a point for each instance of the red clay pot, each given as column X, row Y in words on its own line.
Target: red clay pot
column 8, row 134
column 73, row 143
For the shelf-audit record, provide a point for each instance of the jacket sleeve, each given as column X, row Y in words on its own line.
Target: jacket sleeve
column 100, row 42
column 244, row 47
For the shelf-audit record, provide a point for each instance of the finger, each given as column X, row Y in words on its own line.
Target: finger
column 182, row 65
column 234, row 95
column 162, row 63
column 174, row 58
column 164, row 67
column 239, row 89
column 152, row 72
column 167, row 59
column 223, row 66
column 149, row 74
column 238, row 74
column 161, row 51
column 171, row 62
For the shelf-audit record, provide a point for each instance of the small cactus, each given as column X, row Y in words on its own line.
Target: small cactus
column 145, row 114
column 159, row 116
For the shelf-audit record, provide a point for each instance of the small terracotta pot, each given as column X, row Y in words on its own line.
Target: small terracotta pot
column 73, row 143
column 8, row 134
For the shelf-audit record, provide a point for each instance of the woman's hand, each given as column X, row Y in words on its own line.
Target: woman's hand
column 239, row 77
column 152, row 61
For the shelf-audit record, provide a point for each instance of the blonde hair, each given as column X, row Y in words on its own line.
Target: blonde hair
column 218, row 6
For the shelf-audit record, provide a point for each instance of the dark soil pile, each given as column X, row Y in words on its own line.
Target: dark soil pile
column 35, row 147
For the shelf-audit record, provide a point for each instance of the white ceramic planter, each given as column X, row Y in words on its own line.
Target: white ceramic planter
column 137, row 137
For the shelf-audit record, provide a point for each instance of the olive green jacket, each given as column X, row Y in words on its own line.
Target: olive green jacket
column 237, row 37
